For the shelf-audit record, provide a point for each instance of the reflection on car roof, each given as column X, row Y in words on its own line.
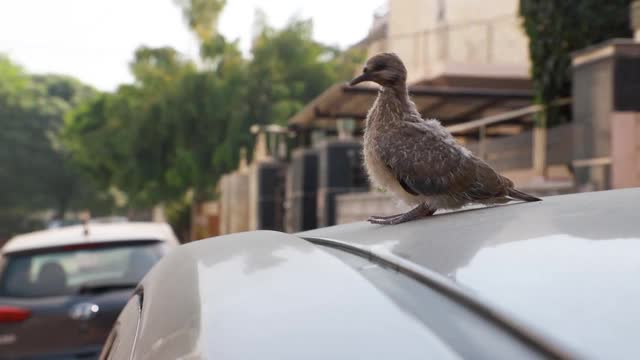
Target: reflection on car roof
column 563, row 266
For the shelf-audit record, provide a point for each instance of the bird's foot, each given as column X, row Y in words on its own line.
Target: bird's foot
column 418, row 212
column 375, row 217
column 382, row 220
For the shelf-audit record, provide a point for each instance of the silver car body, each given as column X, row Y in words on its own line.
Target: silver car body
column 554, row 279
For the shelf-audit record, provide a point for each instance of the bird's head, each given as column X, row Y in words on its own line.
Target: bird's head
column 385, row 69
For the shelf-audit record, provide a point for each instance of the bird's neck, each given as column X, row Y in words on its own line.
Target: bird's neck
column 397, row 93
column 394, row 100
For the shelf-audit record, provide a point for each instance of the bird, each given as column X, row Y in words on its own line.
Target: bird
column 418, row 160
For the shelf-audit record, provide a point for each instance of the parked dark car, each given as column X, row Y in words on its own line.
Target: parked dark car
column 61, row 290
column 546, row 280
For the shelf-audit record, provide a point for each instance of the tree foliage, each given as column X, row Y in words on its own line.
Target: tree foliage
column 171, row 134
column 201, row 16
column 165, row 134
column 165, row 138
column 558, row 27
column 35, row 173
column 289, row 69
column 178, row 128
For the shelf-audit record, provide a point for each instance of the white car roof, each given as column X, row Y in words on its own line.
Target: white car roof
column 73, row 235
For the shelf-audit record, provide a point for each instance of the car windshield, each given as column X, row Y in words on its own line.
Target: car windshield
column 78, row 268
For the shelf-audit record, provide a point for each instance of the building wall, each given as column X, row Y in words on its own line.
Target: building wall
column 407, row 18
column 437, row 36
column 497, row 38
column 376, row 47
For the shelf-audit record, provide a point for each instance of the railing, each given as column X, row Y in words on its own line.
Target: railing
column 535, row 149
column 601, row 161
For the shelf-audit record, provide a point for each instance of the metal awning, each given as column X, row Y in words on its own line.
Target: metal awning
column 449, row 104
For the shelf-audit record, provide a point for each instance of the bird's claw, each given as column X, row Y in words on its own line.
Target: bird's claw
column 385, row 220
column 419, row 212
column 375, row 217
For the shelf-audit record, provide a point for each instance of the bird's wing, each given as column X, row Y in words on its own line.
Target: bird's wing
column 427, row 161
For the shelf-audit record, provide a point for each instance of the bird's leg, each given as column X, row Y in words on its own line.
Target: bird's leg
column 420, row 211
column 375, row 217
column 379, row 218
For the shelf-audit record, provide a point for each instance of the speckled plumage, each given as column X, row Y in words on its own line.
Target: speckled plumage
column 418, row 160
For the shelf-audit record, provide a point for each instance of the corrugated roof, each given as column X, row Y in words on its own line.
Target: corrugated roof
column 449, row 104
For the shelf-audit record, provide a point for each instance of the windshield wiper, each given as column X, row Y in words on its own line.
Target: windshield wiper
column 98, row 288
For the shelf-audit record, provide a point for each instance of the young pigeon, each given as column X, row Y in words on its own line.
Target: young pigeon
column 418, row 160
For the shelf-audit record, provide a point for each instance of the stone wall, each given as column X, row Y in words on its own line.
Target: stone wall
column 515, row 152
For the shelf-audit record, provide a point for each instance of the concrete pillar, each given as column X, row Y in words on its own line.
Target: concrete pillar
column 158, row 214
column 625, row 149
column 225, row 205
column 606, row 81
column 540, row 151
column 635, row 18
column 239, row 189
column 482, row 143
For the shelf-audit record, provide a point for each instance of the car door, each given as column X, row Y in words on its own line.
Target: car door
column 121, row 341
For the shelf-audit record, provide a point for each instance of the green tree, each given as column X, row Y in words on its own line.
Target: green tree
column 35, row 173
column 202, row 16
column 179, row 126
column 288, row 69
column 168, row 133
column 558, row 27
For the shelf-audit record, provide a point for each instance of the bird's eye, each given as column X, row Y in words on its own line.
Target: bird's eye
column 364, row 70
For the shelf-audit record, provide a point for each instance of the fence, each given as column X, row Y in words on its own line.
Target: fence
column 516, row 152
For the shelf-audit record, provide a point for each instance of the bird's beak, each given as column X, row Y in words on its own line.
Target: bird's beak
column 359, row 79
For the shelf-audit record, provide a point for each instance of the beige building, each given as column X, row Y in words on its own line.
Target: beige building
column 465, row 61
column 468, row 66
column 453, row 38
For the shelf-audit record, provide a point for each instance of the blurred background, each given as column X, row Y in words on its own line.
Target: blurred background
column 222, row 116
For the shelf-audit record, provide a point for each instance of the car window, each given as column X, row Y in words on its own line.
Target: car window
column 78, row 268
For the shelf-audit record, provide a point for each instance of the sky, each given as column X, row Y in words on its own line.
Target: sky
column 94, row 40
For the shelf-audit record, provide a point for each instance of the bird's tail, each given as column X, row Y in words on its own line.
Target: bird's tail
column 517, row 194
